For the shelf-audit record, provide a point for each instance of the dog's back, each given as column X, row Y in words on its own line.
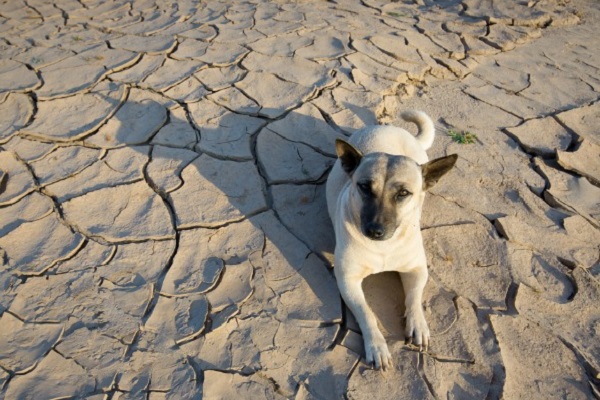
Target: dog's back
column 397, row 141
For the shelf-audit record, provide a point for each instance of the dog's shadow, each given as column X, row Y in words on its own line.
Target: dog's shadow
column 385, row 296
column 290, row 170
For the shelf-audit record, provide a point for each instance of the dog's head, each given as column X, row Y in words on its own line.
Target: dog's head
column 388, row 189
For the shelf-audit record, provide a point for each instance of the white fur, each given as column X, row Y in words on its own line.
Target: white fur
column 357, row 256
column 426, row 128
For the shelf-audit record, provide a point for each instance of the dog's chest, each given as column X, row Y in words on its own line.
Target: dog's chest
column 376, row 257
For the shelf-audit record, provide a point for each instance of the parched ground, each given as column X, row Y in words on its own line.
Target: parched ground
column 163, row 229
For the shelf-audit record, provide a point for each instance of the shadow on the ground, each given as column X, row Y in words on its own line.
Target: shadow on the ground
column 289, row 193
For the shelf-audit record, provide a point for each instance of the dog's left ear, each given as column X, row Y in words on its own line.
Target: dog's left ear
column 349, row 155
column 435, row 169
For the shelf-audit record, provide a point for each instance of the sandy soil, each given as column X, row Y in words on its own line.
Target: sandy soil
column 163, row 228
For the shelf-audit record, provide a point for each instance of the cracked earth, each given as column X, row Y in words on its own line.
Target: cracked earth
column 163, row 229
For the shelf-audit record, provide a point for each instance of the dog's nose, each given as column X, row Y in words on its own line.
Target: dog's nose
column 375, row 231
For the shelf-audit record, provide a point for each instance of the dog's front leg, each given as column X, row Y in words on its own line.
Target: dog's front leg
column 413, row 283
column 375, row 347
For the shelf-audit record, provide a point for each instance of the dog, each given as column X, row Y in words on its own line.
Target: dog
column 375, row 193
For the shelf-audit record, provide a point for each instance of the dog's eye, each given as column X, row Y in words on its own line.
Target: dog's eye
column 364, row 187
column 402, row 194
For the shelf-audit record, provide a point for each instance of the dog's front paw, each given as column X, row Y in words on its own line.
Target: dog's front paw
column 377, row 352
column 416, row 330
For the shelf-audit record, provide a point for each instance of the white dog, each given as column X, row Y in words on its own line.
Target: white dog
column 375, row 194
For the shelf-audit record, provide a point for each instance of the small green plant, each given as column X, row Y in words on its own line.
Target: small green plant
column 77, row 38
column 464, row 137
column 36, row 60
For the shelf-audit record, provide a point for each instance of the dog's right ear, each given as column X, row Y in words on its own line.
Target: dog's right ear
column 349, row 155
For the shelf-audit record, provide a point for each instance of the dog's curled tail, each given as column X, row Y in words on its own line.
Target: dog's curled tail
column 426, row 132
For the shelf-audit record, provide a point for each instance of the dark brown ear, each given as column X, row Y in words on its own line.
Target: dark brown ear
column 349, row 156
column 435, row 169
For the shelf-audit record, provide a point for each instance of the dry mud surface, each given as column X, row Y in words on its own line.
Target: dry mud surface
column 163, row 228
